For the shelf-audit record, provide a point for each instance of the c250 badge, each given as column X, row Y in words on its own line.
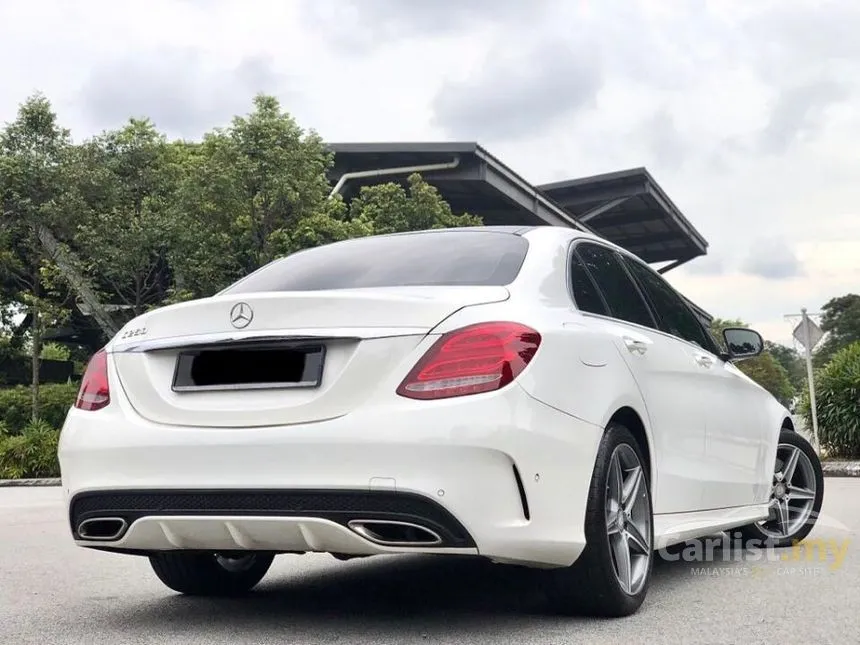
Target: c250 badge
column 133, row 333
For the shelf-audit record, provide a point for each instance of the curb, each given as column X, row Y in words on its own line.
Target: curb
column 841, row 468
column 45, row 481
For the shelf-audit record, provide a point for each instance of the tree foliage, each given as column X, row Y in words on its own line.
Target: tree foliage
column 126, row 179
column 791, row 361
column 129, row 220
column 33, row 453
column 841, row 321
column 35, row 155
column 764, row 369
column 389, row 208
column 837, row 393
column 246, row 189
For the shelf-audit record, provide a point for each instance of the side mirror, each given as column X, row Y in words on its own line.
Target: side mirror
column 742, row 343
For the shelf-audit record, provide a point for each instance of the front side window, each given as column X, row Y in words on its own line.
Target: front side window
column 672, row 312
column 619, row 291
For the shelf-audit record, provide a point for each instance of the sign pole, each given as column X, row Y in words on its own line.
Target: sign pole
column 808, row 347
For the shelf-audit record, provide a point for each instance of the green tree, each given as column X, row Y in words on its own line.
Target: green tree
column 55, row 352
column 841, row 321
column 719, row 324
column 793, row 363
column 34, row 169
column 329, row 225
column 258, row 190
column 127, row 179
column 129, row 218
column 764, row 369
column 247, row 187
column 390, row 208
column 837, row 394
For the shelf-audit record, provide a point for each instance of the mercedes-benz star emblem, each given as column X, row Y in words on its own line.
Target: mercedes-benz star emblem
column 241, row 315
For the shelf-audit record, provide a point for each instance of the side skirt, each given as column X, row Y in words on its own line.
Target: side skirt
column 675, row 528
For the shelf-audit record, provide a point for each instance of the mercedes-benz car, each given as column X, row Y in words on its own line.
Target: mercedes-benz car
column 535, row 396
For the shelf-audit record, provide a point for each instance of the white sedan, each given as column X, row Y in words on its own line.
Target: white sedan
column 535, row 396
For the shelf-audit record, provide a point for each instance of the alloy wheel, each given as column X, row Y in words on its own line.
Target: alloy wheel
column 792, row 495
column 628, row 519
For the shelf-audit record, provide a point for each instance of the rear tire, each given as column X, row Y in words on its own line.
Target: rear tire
column 210, row 574
column 796, row 494
column 604, row 581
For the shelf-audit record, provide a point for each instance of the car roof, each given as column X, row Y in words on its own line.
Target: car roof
column 510, row 229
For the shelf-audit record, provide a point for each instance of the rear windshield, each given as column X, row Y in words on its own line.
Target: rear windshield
column 444, row 258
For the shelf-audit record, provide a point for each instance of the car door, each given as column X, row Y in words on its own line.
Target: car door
column 664, row 370
column 733, row 440
column 739, row 436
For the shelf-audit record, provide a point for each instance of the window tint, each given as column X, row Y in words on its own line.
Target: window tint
column 585, row 294
column 618, row 289
column 443, row 258
column 673, row 314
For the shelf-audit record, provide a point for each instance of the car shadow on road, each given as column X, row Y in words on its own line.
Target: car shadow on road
column 388, row 595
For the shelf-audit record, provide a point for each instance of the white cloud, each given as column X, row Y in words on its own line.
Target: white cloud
column 744, row 112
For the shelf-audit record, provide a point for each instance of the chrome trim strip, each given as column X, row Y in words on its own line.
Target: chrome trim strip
column 194, row 341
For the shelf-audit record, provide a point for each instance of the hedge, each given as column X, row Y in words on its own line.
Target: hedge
column 16, row 405
column 33, row 453
column 28, row 448
column 837, row 393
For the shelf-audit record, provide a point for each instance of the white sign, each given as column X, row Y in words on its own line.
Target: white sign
column 807, row 326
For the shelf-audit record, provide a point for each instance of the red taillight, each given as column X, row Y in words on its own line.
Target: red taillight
column 478, row 358
column 95, row 392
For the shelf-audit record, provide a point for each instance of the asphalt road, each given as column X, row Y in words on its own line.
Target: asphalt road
column 54, row 593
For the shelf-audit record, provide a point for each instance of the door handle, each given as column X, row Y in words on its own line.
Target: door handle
column 635, row 346
column 704, row 360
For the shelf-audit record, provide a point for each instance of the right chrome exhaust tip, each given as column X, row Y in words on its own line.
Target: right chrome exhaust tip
column 389, row 533
column 102, row 529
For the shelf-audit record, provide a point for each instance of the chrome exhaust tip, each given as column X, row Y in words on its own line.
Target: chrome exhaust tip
column 388, row 533
column 102, row 529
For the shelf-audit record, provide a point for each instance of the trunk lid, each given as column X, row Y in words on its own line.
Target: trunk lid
column 362, row 335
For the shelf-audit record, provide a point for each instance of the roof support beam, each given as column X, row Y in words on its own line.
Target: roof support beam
column 599, row 210
column 648, row 239
column 592, row 195
column 518, row 192
column 627, row 218
column 674, row 265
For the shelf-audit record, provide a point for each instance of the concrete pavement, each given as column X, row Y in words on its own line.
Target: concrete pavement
column 54, row 593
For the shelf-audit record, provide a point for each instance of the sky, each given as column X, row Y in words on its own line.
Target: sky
column 746, row 113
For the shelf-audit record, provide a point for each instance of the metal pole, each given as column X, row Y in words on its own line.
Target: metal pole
column 808, row 346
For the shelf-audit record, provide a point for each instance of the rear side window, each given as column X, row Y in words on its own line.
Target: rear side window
column 619, row 291
column 585, row 294
column 443, row 258
column 674, row 316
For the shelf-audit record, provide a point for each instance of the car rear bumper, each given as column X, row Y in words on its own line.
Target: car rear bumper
column 500, row 475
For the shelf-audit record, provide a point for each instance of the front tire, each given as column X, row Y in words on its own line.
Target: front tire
column 612, row 574
column 210, row 574
column 796, row 494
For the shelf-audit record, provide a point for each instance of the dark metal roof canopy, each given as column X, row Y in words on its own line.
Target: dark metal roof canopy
column 478, row 184
column 630, row 209
column 627, row 208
